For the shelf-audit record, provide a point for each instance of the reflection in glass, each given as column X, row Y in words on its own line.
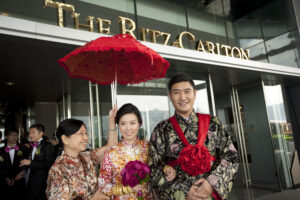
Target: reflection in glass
column 163, row 16
column 282, row 134
column 282, row 50
column 207, row 20
column 153, row 110
column 151, row 99
column 201, row 103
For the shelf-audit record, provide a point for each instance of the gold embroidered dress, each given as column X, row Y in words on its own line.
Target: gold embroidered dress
column 115, row 159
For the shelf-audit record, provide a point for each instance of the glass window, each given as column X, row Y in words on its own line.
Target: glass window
column 266, row 29
column 206, row 20
column 281, row 129
column 107, row 10
column 151, row 99
column 283, row 50
column 35, row 10
column 163, row 16
column 258, row 53
column 248, row 33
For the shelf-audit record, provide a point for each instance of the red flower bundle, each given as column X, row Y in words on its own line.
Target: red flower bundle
column 195, row 159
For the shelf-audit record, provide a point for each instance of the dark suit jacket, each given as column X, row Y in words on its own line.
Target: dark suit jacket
column 39, row 167
column 11, row 170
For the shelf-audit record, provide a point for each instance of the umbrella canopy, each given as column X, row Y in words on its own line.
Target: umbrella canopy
column 120, row 58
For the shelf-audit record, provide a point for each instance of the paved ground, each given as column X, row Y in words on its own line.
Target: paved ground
column 293, row 194
column 263, row 194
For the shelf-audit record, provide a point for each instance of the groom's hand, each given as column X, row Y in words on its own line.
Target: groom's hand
column 200, row 190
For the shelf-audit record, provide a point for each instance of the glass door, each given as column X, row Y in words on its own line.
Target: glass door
column 281, row 131
column 244, row 114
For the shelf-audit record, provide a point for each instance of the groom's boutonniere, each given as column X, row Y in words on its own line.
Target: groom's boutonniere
column 20, row 153
column 38, row 151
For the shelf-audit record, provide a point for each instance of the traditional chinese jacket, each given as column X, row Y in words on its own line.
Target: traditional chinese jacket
column 73, row 178
column 115, row 159
column 165, row 146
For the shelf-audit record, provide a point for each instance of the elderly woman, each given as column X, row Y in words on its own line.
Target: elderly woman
column 73, row 175
column 129, row 149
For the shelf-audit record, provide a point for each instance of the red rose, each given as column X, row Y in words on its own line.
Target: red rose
column 195, row 160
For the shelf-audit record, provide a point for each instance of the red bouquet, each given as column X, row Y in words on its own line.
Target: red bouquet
column 134, row 173
column 195, row 159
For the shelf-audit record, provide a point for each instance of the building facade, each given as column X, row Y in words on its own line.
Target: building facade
column 244, row 56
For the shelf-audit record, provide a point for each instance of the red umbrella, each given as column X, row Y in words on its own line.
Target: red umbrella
column 118, row 59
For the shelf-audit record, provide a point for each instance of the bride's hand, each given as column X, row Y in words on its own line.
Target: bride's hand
column 112, row 114
column 137, row 188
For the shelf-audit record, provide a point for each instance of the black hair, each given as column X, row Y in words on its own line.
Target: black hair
column 68, row 127
column 9, row 131
column 39, row 127
column 180, row 78
column 126, row 109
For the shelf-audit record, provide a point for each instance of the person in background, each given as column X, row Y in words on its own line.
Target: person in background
column 10, row 156
column 129, row 149
column 2, row 172
column 191, row 155
column 0, row 137
column 25, row 140
column 74, row 174
column 41, row 157
column 54, row 142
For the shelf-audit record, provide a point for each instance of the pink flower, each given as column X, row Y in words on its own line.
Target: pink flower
column 153, row 137
column 212, row 179
column 174, row 148
column 224, row 163
column 209, row 134
column 232, row 148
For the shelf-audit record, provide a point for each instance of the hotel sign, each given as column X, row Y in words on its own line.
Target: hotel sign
column 128, row 26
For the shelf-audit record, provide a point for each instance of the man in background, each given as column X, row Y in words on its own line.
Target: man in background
column 41, row 158
column 13, row 175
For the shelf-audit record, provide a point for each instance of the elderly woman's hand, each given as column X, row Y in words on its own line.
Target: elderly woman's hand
column 99, row 196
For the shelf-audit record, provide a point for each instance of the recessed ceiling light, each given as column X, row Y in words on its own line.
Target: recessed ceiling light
column 9, row 83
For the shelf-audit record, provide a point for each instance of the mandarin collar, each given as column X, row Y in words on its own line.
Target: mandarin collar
column 70, row 158
column 130, row 145
column 188, row 120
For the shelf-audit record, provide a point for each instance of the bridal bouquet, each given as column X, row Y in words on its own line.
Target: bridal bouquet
column 134, row 173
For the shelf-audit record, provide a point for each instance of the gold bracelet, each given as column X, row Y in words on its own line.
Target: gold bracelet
column 129, row 189
column 124, row 189
column 120, row 190
column 114, row 190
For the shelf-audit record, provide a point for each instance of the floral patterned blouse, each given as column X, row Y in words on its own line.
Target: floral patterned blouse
column 165, row 146
column 114, row 161
column 73, row 178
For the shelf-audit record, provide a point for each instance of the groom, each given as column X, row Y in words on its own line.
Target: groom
column 178, row 173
